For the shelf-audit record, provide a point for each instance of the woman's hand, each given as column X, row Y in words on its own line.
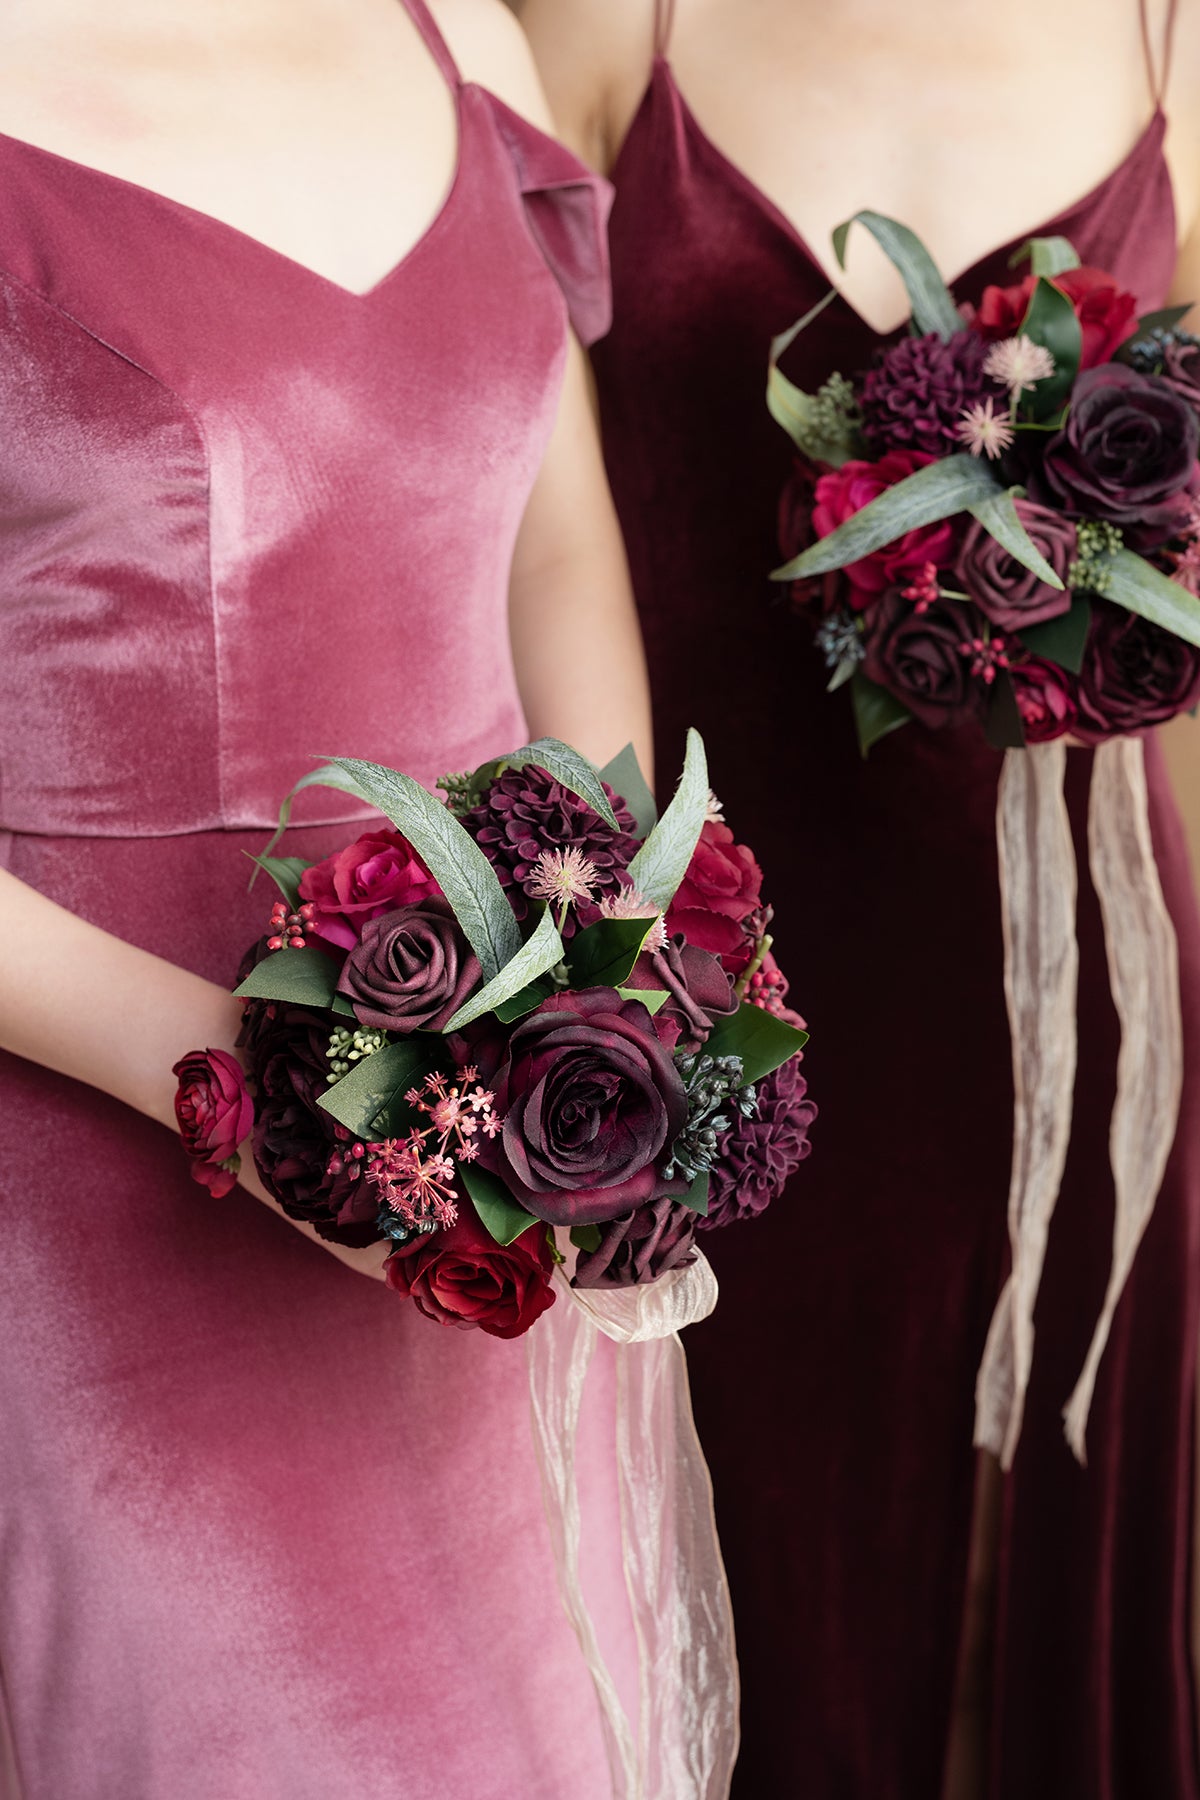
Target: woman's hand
column 367, row 1262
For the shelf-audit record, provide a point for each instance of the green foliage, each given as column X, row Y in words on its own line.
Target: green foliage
column 369, row 1101
column 502, row 1217
column 939, row 490
column 933, row 307
column 1046, row 256
column 662, row 862
column 697, row 1195
column 1051, row 321
column 758, row 1037
column 876, row 711
column 1000, row 519
column 302, row 977
column 285, row 872
column 1140, row 588
column 1061, row 640
column 585, row 1237
column 604, row 954
column 542, row 952
column 624, row 776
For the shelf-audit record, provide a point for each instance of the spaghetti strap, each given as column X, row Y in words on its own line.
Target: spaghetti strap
column 438, row 48
column 664, row 18
column 1158, row 72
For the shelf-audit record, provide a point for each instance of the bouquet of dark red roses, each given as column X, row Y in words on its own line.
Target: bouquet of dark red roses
column 999, row 521
column 531, row 1008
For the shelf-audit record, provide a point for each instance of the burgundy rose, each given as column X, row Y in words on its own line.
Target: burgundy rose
column 412, row 970
column 1181, row 368
column 375, row 874
column 757, row 1156
column 1045, row 699
column 924, row 659
column 215, row 1114
column 845, row 491
column 1010, row 594
column 591, row 1099
column 1127, row 453
column 640, row 1247
column 1134, row 675
column 699, row 990
column 301, row 1153
column 460, row 1276
column 1107, row 314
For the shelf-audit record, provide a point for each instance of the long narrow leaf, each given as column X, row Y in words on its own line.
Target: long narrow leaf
column 463, row 872
column 540, row 954
column 285, row 872
column 999, row 518
column 569, row 768
column 1051, row 320
column 1141, row 588
column 1047, row 256
column 662, row 862
column 624, row 776
column 933, row 307
column 938, row 491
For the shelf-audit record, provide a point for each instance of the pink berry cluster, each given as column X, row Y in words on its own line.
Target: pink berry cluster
column 290, row 929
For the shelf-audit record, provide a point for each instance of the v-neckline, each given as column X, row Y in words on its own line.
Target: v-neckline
column 799, row 243
column 225, row 228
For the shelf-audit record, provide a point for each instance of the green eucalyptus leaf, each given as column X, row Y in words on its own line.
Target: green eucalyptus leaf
column 1046, row 256
column 933, row 307
column 454, row 858
column 653, row 999
column 952, row 485
column 500, row 1214
column 697, row 1195
column 844, row 672
column 570, row 769
column 785, row 401
column 585, row 1237
column 509, row 1011
column 302, row 977
column 285, row 872
column 604, row 954
column 758, row 1037
column 1061, row 640
column 1000, row 519
column 662, row 862
column 1051, row 321
column 369, row 1101
column 876, row 711
column 541, row 953
column 1139, row 587
column 624, row 776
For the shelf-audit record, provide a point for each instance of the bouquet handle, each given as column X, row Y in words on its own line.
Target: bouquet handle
column 686, row 1740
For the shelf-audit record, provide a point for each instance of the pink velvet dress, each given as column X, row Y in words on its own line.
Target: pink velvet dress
column 265, row 1532
column 834, row 1388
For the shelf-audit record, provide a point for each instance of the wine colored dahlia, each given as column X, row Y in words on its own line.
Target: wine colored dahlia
column 756, row 1156
column 915, row 396
column 526, row 814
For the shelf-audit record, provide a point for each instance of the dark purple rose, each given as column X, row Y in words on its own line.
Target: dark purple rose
column 591, row 1100
column 305, row 1159
column 699, row 991
column 1010, row 594
column 640, row 1247
column 215, row 1113
column 1127, row 453
column 1134, row 675
column 1181, row 368
column 915, row 396
column 924, row 657
column 526, row 812
column 460, row 1276
column 757, row 1156
column 412, row 969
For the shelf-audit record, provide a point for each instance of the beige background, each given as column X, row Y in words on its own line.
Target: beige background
column 1181, row 742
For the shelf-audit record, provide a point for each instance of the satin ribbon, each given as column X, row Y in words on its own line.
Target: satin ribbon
column 686, row 1739
column 1038, row 884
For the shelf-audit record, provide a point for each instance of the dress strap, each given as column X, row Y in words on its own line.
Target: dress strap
column 664, row 18
column 436, row 44
column 1158, row 70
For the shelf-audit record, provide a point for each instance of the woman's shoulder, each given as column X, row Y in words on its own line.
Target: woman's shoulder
column 490, row 48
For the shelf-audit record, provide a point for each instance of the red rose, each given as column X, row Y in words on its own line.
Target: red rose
column 1045, row 699
column 715, row 899
column 215, row 1114
column 377, row 873
column 1105, row 311
column 845, row 491
column 460, row 1276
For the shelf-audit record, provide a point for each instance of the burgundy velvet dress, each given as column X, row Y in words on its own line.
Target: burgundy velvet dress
column 834, row 1387
column 265, row 1532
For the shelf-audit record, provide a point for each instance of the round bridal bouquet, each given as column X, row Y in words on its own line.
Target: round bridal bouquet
column 531, row 1012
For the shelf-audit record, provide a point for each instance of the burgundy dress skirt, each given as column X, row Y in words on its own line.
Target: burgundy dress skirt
column 834, row 1394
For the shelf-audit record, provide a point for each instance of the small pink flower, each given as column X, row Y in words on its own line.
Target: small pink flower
column 565, row 876
column 628, row 903
column 983, row 430
column 1019, row 364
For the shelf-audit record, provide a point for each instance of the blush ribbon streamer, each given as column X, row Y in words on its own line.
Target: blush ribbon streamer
column 1038, row 890
column 686, row 1739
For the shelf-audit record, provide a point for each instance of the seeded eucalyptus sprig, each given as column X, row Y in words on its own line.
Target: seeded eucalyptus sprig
column 712, row 1083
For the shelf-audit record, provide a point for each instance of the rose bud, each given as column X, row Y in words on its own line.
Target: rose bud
column 1127, row 453
column 1010, row 594
column 412, row 970
column 920, row 658
column 458, row 1275
column 1045, row 699
column 215, row 1113
column 376, row 874
column 1107, row 314
column 591, row 1099
column 640, row 1247
column 1134, row 675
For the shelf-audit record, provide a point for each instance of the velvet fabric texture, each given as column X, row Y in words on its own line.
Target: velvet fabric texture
column 834, row 1388
column 265, row 1532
